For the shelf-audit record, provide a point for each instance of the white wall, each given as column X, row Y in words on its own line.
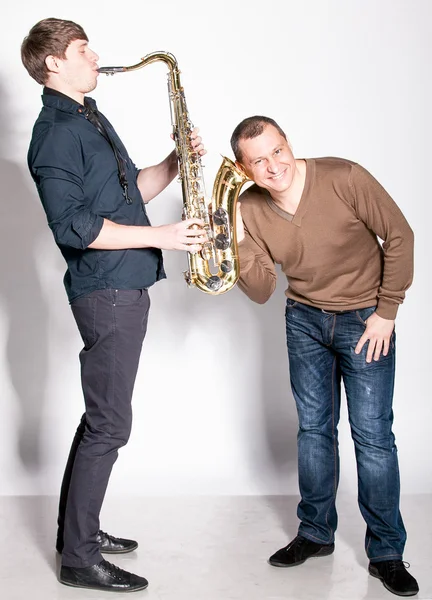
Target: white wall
column 213, row 410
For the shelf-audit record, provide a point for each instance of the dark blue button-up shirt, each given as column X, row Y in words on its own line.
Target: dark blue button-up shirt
column 76, row 175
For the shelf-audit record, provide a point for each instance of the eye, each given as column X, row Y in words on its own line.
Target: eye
column 278, row 151
column 258, row 162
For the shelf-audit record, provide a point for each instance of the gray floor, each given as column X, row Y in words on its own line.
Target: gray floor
column 208, row 548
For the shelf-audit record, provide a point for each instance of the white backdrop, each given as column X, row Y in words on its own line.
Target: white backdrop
column 212, row 406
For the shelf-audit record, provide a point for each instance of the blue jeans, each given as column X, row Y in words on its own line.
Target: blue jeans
column 321, row 353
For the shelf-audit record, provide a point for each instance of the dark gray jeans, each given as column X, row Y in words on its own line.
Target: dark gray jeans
column 112, row 324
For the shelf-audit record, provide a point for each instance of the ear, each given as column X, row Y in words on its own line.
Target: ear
column 240, row 167
column 52, row 64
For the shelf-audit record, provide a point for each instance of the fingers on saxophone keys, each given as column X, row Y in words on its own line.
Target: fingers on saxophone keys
column 197, row 240
column 193, row 224
column 197, row 143
column 193, row 248
column 198, row 147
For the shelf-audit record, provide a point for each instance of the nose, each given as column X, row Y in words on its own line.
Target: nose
column 272, row 166
column 94, row 56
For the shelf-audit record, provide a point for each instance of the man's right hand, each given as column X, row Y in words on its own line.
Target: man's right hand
column 239, row 224
column 187, row 235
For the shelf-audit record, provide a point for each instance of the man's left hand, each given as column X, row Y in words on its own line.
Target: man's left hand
column 378, row 331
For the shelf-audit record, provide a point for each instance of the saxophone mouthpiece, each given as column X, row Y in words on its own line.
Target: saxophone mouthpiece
column 111, row 70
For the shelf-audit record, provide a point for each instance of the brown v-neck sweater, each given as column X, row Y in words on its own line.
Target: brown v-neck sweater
column 329, row 250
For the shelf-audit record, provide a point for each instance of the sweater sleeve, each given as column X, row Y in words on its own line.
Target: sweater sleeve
column 257, row 270
column 379, row 212
column 56, row 164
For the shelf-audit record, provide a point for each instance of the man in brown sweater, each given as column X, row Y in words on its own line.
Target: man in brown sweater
column 320, row 219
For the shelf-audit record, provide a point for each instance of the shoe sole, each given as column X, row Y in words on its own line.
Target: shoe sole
column 375, row 573
column 125, row 551
column 103, row 589
column 323, row 552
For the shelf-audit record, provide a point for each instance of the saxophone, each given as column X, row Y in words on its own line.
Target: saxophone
column 215, row 269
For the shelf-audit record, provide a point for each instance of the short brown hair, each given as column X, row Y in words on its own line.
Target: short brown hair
column 48, row 37
column 250, row 128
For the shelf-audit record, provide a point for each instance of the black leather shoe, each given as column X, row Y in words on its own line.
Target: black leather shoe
column 298, row 551
column 395, row 577
column 112, row 545
column 103, row 576
column 109, row 544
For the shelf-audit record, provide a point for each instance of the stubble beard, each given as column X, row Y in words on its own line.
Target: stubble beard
column 91, row 85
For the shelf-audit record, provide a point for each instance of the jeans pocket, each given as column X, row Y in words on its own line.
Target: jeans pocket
column 128, row 297
column 363, row 314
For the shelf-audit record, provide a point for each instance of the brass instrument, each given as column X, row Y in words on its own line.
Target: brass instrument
column 216, row 268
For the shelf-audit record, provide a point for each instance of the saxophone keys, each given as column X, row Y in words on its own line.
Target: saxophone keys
column 207, row 251
column 222, row 241
column 226, row 266
column 220, row 217
column 214, row 283
column 188, row 278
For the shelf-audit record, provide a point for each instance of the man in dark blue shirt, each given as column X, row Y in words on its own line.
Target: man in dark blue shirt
column 94, row 199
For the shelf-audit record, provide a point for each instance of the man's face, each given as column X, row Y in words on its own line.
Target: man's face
column 268, row 160
column 78, row 71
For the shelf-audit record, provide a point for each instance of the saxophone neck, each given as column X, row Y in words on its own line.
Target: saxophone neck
column 160, row 55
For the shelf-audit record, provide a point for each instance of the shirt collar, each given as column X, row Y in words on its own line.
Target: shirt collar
column 55, row 99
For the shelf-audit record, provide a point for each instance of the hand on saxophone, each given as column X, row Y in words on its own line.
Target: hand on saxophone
column 197, row 143
column 187, row 235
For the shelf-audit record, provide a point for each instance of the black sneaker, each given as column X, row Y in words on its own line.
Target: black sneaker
column 395, row 577
column 103, row 576
column 298, row 551
column 108, row 544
